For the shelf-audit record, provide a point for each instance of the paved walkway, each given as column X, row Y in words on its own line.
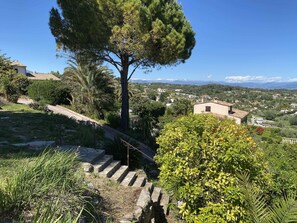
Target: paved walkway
column 110, row 133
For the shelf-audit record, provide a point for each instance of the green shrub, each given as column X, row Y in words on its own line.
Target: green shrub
column 201, row 157
column 293, row 120
column 113, row 120
column 12, row 85
column 282, row 160
column 49, row 91
column 40, row 106
column 13, row 97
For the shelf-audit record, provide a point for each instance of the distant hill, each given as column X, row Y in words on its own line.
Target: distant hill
column 267, row 85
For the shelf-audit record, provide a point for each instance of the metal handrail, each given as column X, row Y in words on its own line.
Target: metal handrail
column 129, row 146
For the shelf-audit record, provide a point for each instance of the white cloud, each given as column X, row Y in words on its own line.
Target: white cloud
column 209, row 76
column 292, row 80
column 248, row 78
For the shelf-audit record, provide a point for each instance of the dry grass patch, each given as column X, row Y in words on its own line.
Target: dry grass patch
column 117, row 200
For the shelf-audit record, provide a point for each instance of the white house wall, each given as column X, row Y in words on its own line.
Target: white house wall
column 215, row 108
column 21, row 70
column 220, row 110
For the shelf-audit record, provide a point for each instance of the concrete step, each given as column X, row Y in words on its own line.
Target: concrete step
column 85, row 154
column 97, row 154
column 164, row 201
column 156, row 195
column 110, row 169
column 120, row 174
column 102, row 163
column 149, row 186
column 129, row 179
column 139, row 182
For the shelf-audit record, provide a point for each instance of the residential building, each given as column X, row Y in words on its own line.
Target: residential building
column 19, row 67
column 22, row 69
column 221, row 109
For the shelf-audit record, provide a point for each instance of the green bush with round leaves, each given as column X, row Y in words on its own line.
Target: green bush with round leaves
column 200, row 158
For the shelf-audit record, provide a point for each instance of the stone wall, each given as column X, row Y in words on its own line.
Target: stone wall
column 145, row 210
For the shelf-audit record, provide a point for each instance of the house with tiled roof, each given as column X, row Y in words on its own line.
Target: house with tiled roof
column 221, row 109
column 22, row 69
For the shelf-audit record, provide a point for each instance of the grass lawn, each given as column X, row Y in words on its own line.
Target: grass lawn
column 19, row 123
column 42, row 187
column 48, row 186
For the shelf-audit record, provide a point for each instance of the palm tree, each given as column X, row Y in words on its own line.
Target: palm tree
column 92, row 86
column 284, row 209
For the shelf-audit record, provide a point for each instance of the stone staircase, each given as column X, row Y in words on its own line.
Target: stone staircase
column 97, row 162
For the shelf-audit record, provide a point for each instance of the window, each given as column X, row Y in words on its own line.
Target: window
column 16, row 70
column 207, row 108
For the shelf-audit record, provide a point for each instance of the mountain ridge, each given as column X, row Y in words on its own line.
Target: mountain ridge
column 264, row 85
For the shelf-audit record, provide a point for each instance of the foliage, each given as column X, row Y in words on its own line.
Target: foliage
column 52, row 214
column 200, row 157
column 119, row 151
column 282, row 160
column 284, row 209
column 149, row 111
column 113, row 119
column 12, row 85
column 40, row 106
column 92, row 87
column 45, row 179
column 49, row 91
column 182, row 107
column 260, row 130
column 270, row 115
column 89, row 135
column 164, row 96
column 145, row 107
column 23, row 124
column 293, row 120
column 152, row 95
column 271, row 135
column 125, row 33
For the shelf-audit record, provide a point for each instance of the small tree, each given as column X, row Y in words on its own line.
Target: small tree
column 149, row 112
column 270, row 114
column 182, row 107
column 12, row 85
column 200, row 158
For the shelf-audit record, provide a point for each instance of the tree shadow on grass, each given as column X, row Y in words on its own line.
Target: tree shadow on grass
column 8, row 152
column 20, row 127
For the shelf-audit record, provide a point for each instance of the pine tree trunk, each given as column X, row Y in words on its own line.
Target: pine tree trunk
column 125, row 95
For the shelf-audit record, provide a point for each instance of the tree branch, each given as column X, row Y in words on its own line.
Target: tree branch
column 133, row 71
column 116, row 64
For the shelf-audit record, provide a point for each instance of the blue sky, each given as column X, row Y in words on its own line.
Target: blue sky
column 237, row 40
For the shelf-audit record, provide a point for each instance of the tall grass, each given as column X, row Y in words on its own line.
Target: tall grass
column 51, row 178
